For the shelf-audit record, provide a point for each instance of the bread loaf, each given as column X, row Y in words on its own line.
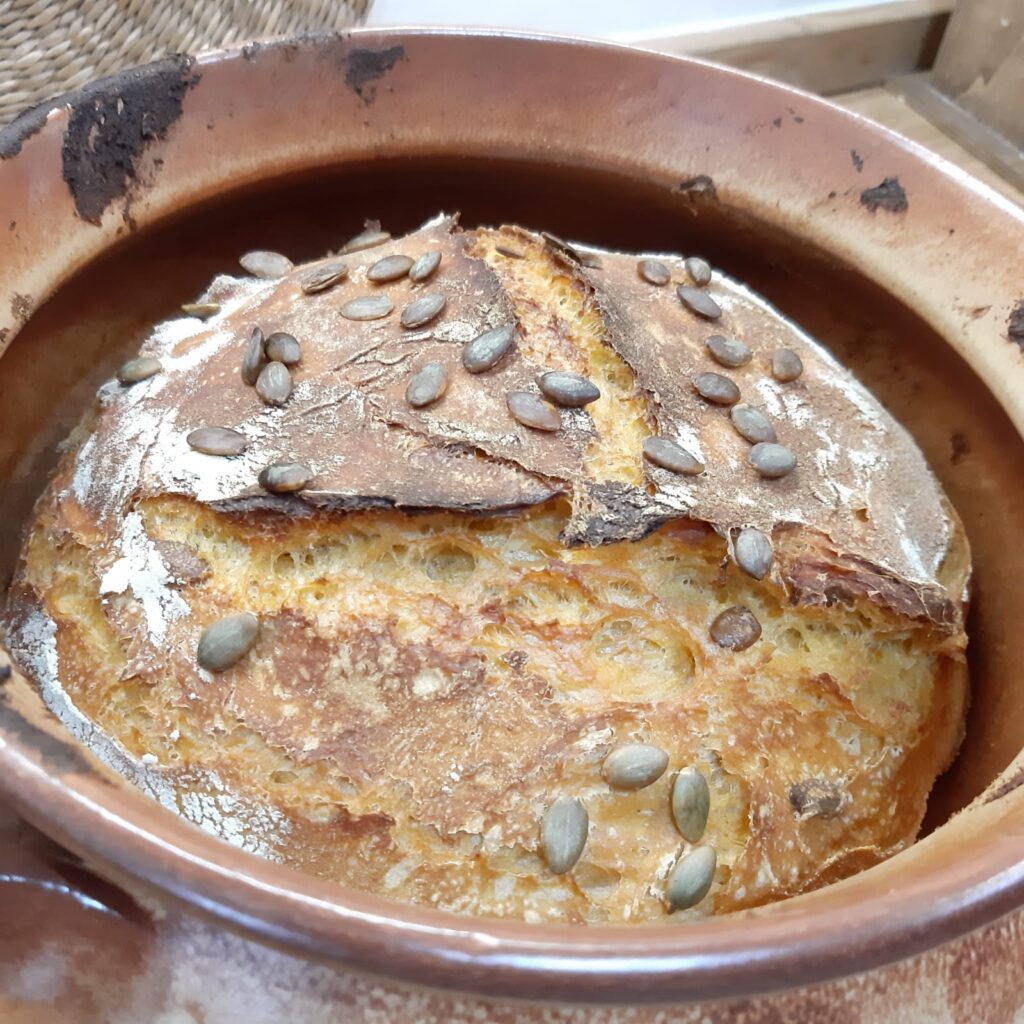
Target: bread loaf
column 440, row 627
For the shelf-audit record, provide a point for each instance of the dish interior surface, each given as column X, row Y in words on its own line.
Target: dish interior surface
column 98, row 318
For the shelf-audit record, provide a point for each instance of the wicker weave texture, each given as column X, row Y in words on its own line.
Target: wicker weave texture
column 50, row 46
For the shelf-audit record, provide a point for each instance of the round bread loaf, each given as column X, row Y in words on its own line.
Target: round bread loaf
column 395, row 599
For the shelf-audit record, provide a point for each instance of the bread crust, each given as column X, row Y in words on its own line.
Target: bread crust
column 461, row 617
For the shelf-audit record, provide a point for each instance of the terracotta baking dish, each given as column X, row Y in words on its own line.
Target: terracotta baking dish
column 124, row 199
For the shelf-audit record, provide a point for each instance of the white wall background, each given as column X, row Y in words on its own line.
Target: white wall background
column 618, row 19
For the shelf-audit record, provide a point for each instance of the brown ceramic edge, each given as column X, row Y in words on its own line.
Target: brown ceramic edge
column 780, row 947
column 195, row 880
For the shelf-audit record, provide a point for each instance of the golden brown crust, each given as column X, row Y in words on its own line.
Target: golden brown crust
column 425, row 684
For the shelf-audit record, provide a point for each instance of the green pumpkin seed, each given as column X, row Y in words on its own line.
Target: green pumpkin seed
column 370, row 236
column 563, row 833
column 699, row 301
column 568, row 389
column 691, row 878
column 699, row 270
column 421, row 311
column 217, row 441
column 323, row 277
column 425, row 266
column 285, row 477
column 674, row 457
column 727, row 351
column 772, row 460
column 201, row 310
column 532, row 412
column 427, row 385
column 227, row 641
column 691, row 803
column 736, row 628
column 367, row 307
column 654, row 272
column 489, row 348
column 274, row 384
column 138, row 369
column 283, row 348
column 389, row 268
column 786, row 365
column 715, row 388
column 255, row 357
column 752, row 424
column 634, row 765
column 753, row 552
column 267, row 265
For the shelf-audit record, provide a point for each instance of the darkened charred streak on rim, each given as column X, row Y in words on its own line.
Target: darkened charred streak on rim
column 1015, row 325
column 887, row 195
column 363, row 67
column 59, row 756
column 111, row 124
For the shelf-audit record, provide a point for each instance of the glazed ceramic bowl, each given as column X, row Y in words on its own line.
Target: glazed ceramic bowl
column 119, row 202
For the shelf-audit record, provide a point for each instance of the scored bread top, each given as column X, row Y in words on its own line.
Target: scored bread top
column 872, row 516
column 422, row 690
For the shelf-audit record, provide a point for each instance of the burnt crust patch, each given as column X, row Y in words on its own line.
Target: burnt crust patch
column 24, row 126
column 112, row 122
column 1015, row 325
column 857, row 160
column 888, row 195
column 363, row 68
column 21, row 307
column 815, row 798
column 700, row 186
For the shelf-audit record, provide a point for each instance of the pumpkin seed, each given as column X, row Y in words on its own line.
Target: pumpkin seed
column 815, row 798
column 370, row 236
column 323, row 277
column 389, row 268
column 714, row 387
column 532, row 412
column 691, row 878
column 563, row 833
column 634, row 765
column 752, row 424
column 753, row 552
column 255, row 357
column 283, row 348
column 268, row 265
column 427, row 385
column 425, row 266
column 202, row 310
column 654, row 272
column 669, row 455
column 217, row 441
column 691, row 804
column 786, row 365
column 772, row 460
column 700, row 302
column 736, row 628
column 729, row 352
column 512, row 254
column 225, row 642
column 488, row 349
column 137, row 369
column 274, row 384
column 285, row 477
column 699, row 270
column 421, row 311
column 568, row 389
column 367, row 307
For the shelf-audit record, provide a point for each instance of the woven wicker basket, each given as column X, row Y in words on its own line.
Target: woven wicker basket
column 50, row 46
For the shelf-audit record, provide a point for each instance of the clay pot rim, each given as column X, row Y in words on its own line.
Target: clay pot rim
column 839, row 930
